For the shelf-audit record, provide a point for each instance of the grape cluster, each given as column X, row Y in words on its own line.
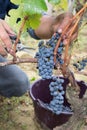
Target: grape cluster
column 52, row 42
column 56, row 105
column 45, row 56
column 56, row 90
column 80, row 65
column 45, row 60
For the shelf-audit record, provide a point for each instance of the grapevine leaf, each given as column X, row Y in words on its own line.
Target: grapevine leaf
column 54, row 1
column 33, row 21
column 60, row 4
column 29, row 8
column 14, row 14
column 63, row 4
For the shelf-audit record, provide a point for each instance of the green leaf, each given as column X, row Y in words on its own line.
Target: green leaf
column 12, row 20
column 33, row 21
column 54, row 1
column 33, row 79
column 31, row 8
column 63, row 4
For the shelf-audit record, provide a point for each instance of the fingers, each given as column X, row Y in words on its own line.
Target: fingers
column 69, row 32
column 7, row 28
column 4, row 29
column 73, row 38
column 65, row 22
column 2, row 51
column 5, row 37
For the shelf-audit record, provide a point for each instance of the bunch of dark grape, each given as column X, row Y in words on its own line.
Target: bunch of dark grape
column 45, row 56
column 80, row 65
column 56, row 105
column 56, row 90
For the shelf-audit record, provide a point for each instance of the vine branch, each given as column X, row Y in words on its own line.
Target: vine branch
column 79, row 14
column 18, row 36
column 25, row 60
column 65, row 70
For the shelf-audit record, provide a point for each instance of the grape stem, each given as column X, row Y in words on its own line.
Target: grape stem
column 67, row 46
column 18, row 36
column 18, row 60
column 77, row 18
column 72, row 80
column 64, row 68
column 83, row 73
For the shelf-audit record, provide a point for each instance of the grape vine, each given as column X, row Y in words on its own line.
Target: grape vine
column 51, row 54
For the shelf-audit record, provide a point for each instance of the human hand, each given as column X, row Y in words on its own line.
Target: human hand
column 5, row 33
column 64, row 20
column 49, row 25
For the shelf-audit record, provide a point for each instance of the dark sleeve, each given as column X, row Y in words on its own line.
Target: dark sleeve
column 32, row 33
column 5, row 7
column 11, row 6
